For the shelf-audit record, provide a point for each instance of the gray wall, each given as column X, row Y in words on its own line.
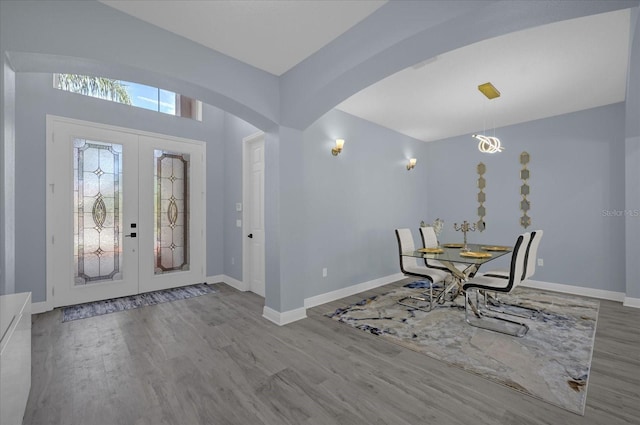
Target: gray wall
column 36, row 97
column 7, row 174
column 284, row 189
column 632, row 164
column 632, row 123
column 577, row 174
column 353, row 202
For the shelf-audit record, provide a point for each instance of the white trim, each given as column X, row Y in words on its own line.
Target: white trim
column 127, row 130
column 576, row 290
column 300, row 313
column 285, row 317
column 351, row 290
column 234, row 283
column 631, row 302
column 41, row 307
column 219, row 278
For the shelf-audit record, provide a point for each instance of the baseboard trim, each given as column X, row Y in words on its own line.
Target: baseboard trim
column 351, row 290
column 234, row 283
column 576, row 290
column 285, row 317
column 300, row 313
column 631, row 302
column 219, row 278
column 40, row 307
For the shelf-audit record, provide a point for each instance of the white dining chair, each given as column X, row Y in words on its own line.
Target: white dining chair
column 411, row 267
column 493, row 303
column 430, row 240
column 531, row 259
column 487, row 319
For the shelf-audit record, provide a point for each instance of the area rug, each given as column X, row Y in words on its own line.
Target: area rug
column 97, row 308
column 551, row 362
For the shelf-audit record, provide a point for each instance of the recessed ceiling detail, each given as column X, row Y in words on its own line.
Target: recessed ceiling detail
column 542, row 72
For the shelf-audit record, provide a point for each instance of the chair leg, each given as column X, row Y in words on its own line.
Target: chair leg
column 491, row 322
column 414, row 302
column 468, row 304
column 492, row 301
column 449, row 292
column 428, row 298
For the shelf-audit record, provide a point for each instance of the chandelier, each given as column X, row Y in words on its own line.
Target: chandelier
column 488, row 144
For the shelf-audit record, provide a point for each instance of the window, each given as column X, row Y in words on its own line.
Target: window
column 128, row 93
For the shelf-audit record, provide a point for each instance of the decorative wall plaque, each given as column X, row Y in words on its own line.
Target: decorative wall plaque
column 481, row 196
column 525, row 206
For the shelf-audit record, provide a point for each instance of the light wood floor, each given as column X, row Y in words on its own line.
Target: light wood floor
column 214, row 360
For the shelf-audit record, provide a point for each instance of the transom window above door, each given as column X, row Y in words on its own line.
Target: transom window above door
column 129, row 93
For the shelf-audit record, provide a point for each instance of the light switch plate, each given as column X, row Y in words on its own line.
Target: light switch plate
column 238, row 223
column 238, row 206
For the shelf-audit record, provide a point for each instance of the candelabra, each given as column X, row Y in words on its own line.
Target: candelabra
column 464, row 227
column 437, row 226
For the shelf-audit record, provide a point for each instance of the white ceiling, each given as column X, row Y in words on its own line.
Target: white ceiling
column 541, row 72
column 271, row 35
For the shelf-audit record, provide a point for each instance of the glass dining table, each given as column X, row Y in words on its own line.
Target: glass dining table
column 454, row 255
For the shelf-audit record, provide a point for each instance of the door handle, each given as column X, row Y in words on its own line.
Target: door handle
column 132, row 235
column 250, row 235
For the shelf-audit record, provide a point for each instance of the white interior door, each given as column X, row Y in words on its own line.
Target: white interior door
column 254, row 255
column 124, row 212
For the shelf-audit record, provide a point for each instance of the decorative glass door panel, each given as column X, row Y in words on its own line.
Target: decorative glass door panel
column 171, row 211
column 172, row 249
column 97, row 177
column 92, row 201
column 122, row 217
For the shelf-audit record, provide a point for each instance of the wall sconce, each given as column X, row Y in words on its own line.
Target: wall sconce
column 412, row 163
column 339, row 144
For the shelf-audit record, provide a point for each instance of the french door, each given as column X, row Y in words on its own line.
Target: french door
column 124, row 212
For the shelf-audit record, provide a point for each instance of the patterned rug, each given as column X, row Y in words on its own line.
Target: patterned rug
column 97, row 308
column 551, row 362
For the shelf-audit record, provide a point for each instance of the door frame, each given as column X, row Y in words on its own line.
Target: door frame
column 246, row 181
column 51, row 179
